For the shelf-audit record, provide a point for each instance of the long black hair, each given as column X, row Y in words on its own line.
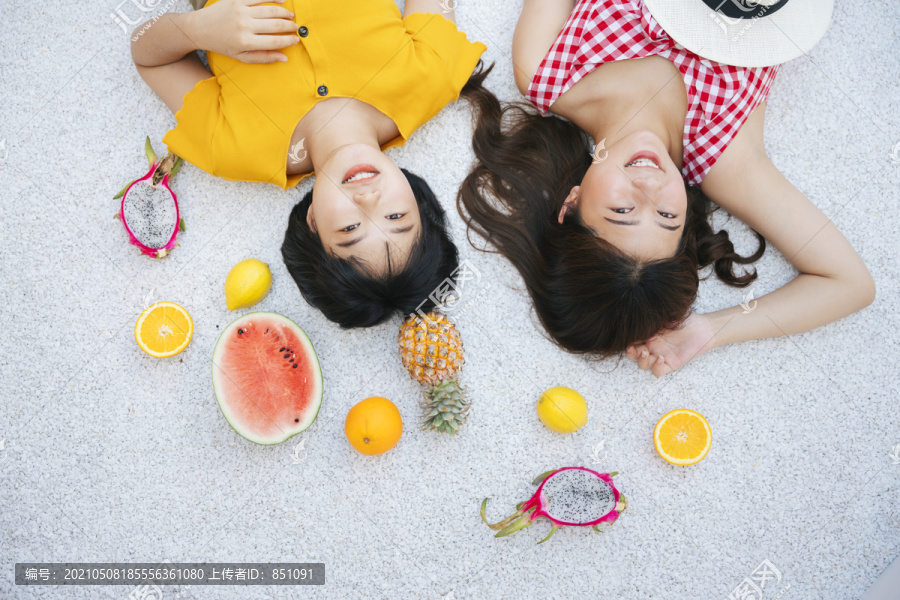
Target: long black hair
column 591, row 297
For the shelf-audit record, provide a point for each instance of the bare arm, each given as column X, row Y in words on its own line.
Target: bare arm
column 445, row 8
column 537, row 28
column 164, row 56
column 832, row 282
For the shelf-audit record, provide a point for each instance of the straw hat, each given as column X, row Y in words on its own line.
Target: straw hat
column 745, row 33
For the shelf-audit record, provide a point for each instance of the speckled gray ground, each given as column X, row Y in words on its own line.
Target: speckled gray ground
column 110, row 455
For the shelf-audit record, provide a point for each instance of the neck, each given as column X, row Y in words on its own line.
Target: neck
column 622, row 121
column 340, row 126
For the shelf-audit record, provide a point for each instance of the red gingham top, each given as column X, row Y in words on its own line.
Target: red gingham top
column 720, row 97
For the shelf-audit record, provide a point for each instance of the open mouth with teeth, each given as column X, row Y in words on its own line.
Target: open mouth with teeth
column 360, row 173
column 644, row 159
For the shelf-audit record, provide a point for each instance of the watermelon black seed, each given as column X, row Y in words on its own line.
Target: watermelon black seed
column 295, row 365
column 240, row 331
column 286, row 355
column 296, row 420
column 282, row 350
column 292, row 360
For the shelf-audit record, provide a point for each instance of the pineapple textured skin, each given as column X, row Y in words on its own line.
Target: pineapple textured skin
column 431, row 348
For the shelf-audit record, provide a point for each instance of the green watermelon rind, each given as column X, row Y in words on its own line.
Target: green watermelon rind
column 309, row 347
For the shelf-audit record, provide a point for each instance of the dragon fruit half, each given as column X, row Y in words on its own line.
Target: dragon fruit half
column 571, row 496
column 149, row 208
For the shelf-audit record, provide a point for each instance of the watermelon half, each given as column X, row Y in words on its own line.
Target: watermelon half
column 266, row 377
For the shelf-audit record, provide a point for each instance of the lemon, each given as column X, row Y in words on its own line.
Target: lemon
column 562, row 410
column 247, row 283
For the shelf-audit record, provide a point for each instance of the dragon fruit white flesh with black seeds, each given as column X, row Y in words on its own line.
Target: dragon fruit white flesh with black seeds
column 149, row 208
column 568, row 497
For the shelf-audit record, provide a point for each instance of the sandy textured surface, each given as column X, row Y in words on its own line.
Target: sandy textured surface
column 112, row 456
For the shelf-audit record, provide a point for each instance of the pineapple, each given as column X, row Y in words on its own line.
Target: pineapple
column 432, row 352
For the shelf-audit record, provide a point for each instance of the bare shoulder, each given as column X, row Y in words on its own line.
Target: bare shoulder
column 734, row 166
column 539, row 24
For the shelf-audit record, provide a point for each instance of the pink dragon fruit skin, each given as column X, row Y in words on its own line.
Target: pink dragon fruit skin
column 149, row 209
column 571, row 496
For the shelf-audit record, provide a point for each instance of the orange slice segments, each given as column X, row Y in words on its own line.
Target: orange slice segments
column 682, row 437
column 163, row 329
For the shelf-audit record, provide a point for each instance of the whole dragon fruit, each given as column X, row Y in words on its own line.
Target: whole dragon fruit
column 149, row 207
column 571, row 496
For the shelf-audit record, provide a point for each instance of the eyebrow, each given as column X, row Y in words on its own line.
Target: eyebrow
column 359, row 239
column 669, row 227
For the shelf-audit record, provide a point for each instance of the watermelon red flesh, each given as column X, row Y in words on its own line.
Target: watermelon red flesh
column 260, row 392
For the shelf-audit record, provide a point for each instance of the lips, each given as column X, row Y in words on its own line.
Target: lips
column 644, row 156
column 369, row 171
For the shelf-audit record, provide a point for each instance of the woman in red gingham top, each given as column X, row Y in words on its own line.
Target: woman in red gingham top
column 605, row 212
column 720, row 97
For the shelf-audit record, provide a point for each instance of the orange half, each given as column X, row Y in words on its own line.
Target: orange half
column 163, row 329
column 682, row 437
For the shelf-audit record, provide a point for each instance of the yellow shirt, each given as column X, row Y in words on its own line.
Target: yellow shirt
column 238, row 123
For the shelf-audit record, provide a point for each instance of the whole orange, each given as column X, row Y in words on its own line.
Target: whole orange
column 373, row 426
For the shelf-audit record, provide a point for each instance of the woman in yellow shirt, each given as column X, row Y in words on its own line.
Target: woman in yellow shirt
column 323, row 88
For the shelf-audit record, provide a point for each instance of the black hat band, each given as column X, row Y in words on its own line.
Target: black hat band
column 743, row 9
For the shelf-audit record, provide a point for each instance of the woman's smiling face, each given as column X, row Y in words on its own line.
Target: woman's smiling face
column 634, row 198
column 363, row 207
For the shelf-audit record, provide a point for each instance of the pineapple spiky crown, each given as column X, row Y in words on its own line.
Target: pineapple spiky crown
column 445, row 407
column 431, row 350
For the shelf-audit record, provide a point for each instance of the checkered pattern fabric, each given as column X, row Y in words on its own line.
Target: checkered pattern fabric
column 720, row 97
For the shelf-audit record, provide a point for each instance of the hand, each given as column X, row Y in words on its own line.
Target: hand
column 241, row 30
column 671, row 349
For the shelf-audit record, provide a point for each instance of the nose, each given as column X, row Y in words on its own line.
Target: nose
column 367, row 198
column 646, row 189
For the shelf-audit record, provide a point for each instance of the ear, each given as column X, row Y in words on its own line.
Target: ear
column 569, row 203
column 310, row 221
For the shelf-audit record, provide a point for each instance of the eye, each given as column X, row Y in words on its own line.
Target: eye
column 667, row 215
column 622, row 211
column 350, row 228
column 396, row 216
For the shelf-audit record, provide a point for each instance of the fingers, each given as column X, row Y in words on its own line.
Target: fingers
column 261, row 56
column 254, row 42
column 661, row 367
column 645, row 359
column 273, row 13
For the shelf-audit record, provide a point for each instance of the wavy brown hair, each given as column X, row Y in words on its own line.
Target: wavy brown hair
column 591, row 297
